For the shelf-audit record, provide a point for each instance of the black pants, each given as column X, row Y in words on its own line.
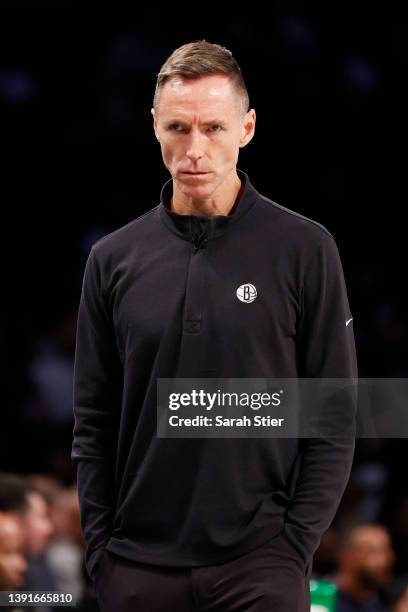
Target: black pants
column 270, row 578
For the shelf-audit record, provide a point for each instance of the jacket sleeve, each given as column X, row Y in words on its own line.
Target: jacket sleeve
column 326, row 349
column 98, row 384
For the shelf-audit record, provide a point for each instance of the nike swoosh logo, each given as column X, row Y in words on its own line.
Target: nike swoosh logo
column 348, row 321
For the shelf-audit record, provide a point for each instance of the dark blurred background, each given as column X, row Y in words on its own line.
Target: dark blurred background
column 79, row 160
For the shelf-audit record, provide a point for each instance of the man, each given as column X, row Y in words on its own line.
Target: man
column 365, row 563
column 215, row 281
column 12, row 560
column 21, row 500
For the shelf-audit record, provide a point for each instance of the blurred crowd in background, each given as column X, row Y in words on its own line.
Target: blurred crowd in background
column 41, row 543
column 41, row 548
column 330, row 91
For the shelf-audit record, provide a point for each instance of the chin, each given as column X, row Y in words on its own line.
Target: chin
column 199, row 189
column 197, row 193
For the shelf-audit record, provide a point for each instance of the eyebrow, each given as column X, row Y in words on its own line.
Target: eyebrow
column 209, row 122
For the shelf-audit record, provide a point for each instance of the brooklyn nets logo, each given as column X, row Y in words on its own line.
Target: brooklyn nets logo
column 247, row 293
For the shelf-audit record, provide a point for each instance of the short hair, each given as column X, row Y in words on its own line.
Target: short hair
column 13, row 492
column 348, row 538
column 198, row 59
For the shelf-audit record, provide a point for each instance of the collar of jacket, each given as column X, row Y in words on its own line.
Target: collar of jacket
column 195, row 228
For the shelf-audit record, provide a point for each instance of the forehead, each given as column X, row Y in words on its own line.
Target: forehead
column 37, row 503
column 210, row 93
column 373, row 539
column 11, row 535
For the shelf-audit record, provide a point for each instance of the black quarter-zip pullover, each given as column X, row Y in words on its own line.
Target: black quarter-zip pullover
column 159, row 300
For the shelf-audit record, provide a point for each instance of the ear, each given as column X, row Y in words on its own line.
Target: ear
column 248, row 128
column 155, row 123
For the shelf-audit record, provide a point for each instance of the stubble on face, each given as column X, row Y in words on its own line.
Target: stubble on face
column 199, row 126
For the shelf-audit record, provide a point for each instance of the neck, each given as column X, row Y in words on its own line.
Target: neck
column 220, row 202
column 351, row 585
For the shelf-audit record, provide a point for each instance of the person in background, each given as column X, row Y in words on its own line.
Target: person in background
column 20, row 499
column 365, row 564
column 65, row 552
column 12, row 561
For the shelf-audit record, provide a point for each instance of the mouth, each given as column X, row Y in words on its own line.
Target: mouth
column 195, row 173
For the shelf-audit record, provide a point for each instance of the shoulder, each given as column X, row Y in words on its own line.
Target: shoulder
column 119, row 242
column 289, row 220
column 296, row 237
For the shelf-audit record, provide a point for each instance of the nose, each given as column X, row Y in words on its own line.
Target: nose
column 195, row 149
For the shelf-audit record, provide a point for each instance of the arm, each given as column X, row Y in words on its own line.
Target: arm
column 326, row 349
column 98, row 383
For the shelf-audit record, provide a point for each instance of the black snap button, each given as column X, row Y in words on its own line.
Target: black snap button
column 194, row 326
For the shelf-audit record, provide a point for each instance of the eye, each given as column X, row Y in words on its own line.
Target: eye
column 216, row 127
column 175, row 127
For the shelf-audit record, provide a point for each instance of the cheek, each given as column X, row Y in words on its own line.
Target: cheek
column 230, row 151
column 169, row 152
column 230, row 145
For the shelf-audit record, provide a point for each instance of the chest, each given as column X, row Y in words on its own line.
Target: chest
column 223, row 291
